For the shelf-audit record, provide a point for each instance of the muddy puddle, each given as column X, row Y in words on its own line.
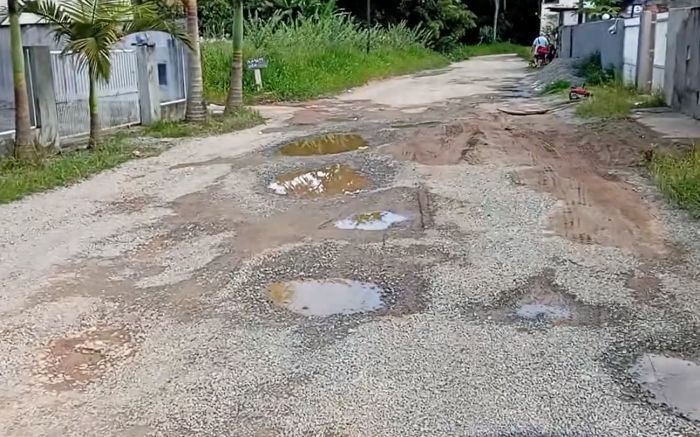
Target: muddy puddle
column 326, row 297
column 672, row 381
column 371, row 221
column 324, row 145
column 75, row 360
column 331, row 180
column 541, row 301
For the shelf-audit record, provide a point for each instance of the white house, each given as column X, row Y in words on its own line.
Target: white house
column 557, row 13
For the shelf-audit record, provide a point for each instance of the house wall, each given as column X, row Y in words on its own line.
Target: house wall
column 682, row 75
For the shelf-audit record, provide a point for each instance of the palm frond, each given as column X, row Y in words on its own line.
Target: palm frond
column 145, row 18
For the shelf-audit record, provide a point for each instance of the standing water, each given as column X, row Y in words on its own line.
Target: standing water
column 326, row 297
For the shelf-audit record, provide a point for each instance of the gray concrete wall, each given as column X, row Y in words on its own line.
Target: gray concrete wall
column 682, row 86
column 584, row 40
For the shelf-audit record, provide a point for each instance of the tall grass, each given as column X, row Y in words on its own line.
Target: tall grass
column 309, row 57
column 678, row 176
column 611, row 99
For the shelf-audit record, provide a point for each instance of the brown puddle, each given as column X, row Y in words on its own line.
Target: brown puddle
column 71, row 362
column 334, row 179
column 326, row 297
column 324, row 145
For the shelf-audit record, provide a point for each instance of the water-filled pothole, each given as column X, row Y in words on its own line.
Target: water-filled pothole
column 324, row 145
column 326, row 297
column 330, row 180
column 542, row 311
column 672, row 381
column 541, row 300
column 371, row 221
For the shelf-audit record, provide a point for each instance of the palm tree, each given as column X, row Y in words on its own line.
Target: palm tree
column 196, row 110
column 24, row 141
column 91, row 28
column 235, row 91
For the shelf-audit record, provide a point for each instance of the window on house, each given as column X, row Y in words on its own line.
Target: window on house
column 162, row 74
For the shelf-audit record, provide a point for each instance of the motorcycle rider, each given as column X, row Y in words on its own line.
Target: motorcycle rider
column 540, row 47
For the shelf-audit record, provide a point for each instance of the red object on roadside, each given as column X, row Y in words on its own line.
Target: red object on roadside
column 576, row 92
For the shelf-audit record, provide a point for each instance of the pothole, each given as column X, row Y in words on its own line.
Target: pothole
column 371, row 221
column 324, row 145
column 446, row 144
column 673, row 382
column 326, row 297
column 330, row 180
column 540, row 300
column 73, row 361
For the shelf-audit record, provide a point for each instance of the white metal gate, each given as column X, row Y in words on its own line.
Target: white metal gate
column 118, row 99
column 630, row 43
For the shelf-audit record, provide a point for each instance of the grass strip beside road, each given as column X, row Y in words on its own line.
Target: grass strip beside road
column 677, row 174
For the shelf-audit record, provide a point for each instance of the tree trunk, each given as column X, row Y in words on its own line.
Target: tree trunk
column 94, row 140
column 196, row 110
column 235, row 91
column 24, row 142
column 497, row 4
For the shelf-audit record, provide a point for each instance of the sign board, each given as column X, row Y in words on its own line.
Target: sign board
column 256, row 64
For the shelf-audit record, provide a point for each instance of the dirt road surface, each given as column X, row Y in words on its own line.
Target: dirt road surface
column 456, row 271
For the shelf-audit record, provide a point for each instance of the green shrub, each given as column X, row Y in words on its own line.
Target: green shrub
column 309, row 57
column 592, row 71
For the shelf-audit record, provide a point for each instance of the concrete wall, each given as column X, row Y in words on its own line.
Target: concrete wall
column 682, row 84
column 586, row 39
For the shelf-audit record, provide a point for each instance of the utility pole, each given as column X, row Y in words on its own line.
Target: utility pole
column 369, row 24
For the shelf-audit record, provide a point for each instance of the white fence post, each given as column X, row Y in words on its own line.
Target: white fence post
column 149, row 90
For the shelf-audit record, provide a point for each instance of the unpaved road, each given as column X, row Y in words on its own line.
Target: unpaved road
column 535, row 266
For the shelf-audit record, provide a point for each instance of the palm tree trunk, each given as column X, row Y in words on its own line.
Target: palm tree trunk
column 497, row 4
column 94, row 140
column 24, row 141
column 196, row 110
column 235, row 91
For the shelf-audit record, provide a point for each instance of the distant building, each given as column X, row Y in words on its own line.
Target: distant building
column 557, row 13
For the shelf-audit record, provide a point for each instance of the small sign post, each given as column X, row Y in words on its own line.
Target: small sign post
column 256, row 65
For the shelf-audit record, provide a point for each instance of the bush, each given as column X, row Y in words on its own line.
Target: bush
column 314, row 56
column 592, row 71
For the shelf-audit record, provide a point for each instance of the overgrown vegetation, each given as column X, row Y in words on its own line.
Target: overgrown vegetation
column 20, row 178
column 464, row 52
column 678, row 176
column 242, row 118
column 314, row 56
column 556, row 87
column 611, row 99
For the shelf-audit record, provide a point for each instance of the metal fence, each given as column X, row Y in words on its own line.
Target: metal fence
column 118, row 99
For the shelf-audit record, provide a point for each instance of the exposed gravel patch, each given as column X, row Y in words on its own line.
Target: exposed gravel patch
column 559, row 69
